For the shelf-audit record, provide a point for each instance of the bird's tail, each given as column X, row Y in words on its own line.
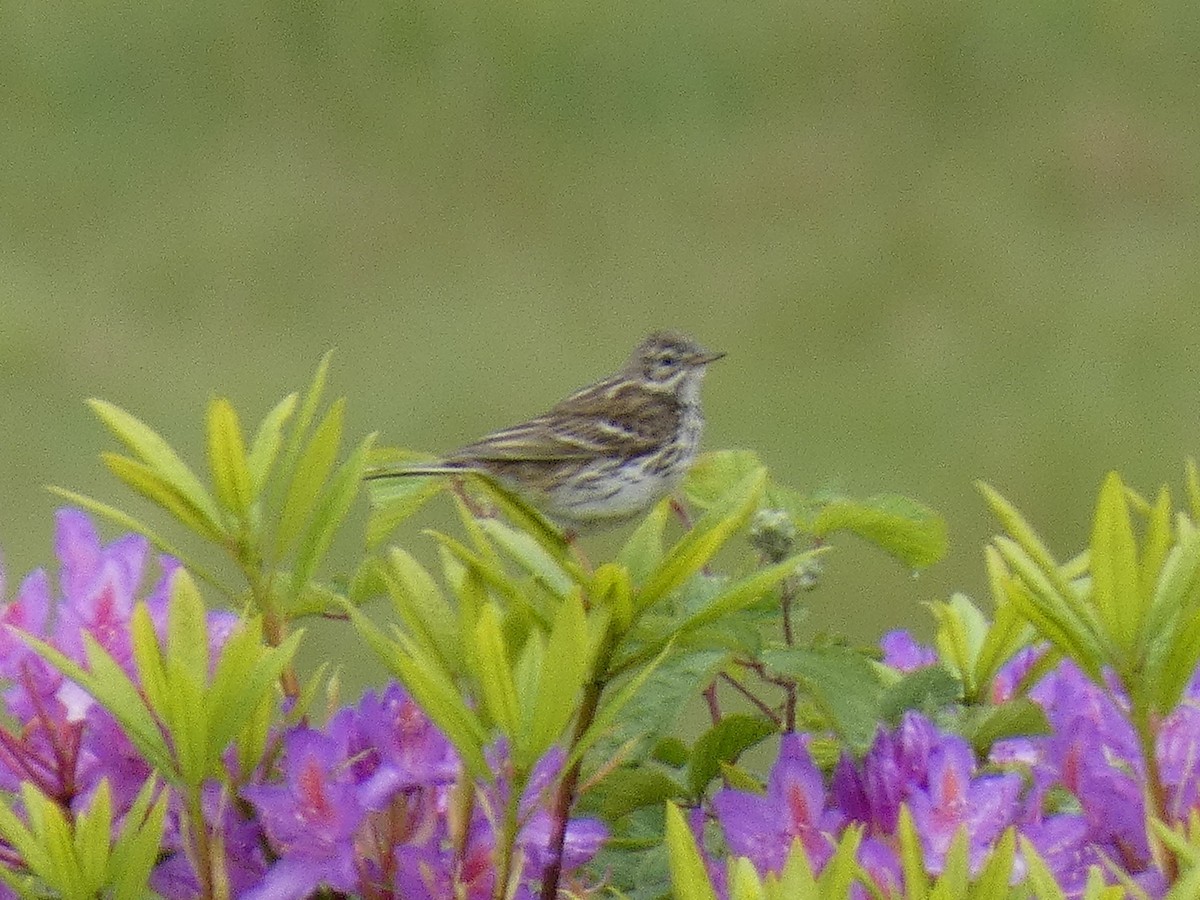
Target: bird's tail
column 403, row 471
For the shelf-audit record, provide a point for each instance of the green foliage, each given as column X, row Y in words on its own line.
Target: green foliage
column 274, row 506
column 84, row 857
column 186, row 712
column 842, row 874
column 1138, row 612
column 900, row 526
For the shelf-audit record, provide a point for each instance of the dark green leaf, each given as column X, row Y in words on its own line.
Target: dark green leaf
column 927, row 690
column 1016, row 718
column 724, row 743
column 627, row 789
column 843, row 684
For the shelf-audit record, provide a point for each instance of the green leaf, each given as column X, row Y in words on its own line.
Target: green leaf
column 309, row 477
column 264, row 449
column 394, row 500
column 308, row 412
column 135, row 852
column 147, row 482
column 993, row 880
column 704, row 539
column 842, row 683
column 643, row 552
column 714, row 474
column 743, row 593
column 985, row 725
column 187, row 628
column 330, row 513
column 607, row 713
column 1115, row 590
column 494, row 673
column 421, row 607
column 1062, row 618
column 157, row 454
column 531, row 557
column 1027, row 539
column 567, row 665
column 724, row 743
column 908, row 530
column 634, row 787
column 689, row 877
column 912, row 860
column 929, row 690
column 227, row 458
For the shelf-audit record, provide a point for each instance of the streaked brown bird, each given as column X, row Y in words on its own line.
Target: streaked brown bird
column 607, row 452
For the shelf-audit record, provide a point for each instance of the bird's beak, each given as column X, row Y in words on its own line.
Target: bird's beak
column 703, row 359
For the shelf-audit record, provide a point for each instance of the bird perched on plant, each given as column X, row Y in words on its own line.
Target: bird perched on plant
column 607, row 452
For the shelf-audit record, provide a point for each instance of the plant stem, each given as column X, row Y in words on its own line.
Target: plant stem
column 565, row 796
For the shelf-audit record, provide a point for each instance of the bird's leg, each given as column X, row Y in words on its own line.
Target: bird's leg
column 681, row 513
column 571, row 536
column 459, row 486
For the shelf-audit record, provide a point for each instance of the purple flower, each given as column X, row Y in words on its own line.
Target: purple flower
column 956, row 799
column 762, row 827
column 311, row 817
column 902, row 652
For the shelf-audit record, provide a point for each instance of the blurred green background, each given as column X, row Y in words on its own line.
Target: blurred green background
column 939, row 240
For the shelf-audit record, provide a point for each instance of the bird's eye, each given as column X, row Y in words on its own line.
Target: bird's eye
column 670, row 359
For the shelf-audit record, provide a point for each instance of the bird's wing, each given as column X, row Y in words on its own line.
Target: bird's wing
column 611, row 418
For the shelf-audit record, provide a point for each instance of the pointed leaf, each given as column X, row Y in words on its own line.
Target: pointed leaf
column 147, row 482
column 308, row 479
column 304, row 419
column 643, row 552
column 1115, row 568
column 421, row 607
column 493, row 673
column 227, row 458
column 689, row 876
column 705, row 538
column 910, row 531
column 330, row 513
column 264, row 449
column 724, row 743
column 157, row 454
column 841, row 682
column 531, row 557
column 187, row 629
column 394, row 500
column 568, row 663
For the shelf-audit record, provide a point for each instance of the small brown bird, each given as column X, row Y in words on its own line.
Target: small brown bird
column 607, row 452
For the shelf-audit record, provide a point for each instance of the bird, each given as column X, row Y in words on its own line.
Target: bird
column 607, row 452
